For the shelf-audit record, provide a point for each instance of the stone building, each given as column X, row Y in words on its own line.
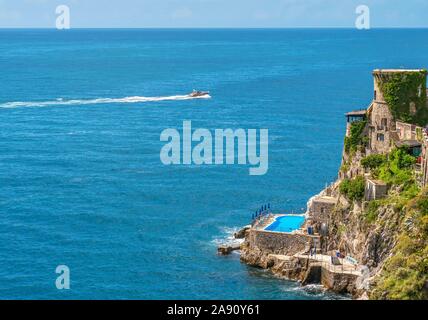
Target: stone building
column 407, row 131
column 321, row 208
column 384, row 132
column 375, row 189
column 382, row 125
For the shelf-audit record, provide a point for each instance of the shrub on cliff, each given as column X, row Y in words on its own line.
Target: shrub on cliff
column 356, row 137
column 422, row 205
column 398, row 169
column 372, row 211
column 353, row 189
column 373, row 161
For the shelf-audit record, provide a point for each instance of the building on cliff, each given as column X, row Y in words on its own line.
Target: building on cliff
column 399, row 106
column 338, row 223
column 397, row 116
column 375, row 189
column 351, row 117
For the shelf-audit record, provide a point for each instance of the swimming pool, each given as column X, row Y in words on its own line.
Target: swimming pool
column 286, row 223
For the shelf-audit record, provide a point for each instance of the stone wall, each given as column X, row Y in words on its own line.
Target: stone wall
column 278, row 242
column 381, row 124
column 259, row 244
column 338, row 282
column 406, row 131
column 321, row 208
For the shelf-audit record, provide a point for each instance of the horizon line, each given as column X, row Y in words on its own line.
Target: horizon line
column 213, row 28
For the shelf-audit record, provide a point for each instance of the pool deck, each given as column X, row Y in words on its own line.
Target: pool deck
column 288, row 254
column 318, row 259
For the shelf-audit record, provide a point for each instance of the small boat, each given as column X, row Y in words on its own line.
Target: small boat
column 197, row 93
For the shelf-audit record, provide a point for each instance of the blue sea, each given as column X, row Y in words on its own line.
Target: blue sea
column 81, row 181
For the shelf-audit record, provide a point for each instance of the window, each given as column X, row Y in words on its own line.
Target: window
column 380, row 137
column 384, row 122
column 375, row 94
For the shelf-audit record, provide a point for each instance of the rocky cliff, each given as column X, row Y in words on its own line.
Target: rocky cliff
column 386, row 233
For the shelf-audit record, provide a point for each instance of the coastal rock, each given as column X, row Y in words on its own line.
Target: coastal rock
column 348, row 232
column 288, row 267
column 240, row 234
column 226, row 249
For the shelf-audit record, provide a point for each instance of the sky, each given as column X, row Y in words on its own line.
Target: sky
column 212, row 13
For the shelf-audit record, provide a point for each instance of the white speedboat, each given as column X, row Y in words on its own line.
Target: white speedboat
column 197, row 93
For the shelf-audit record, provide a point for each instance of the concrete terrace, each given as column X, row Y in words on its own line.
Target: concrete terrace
column 345, row 266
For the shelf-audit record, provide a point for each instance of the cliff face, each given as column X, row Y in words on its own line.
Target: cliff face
column 371, row 243
column 375, row 216
column 376, row 213
column 391, row 240
column 388, row 234
column 404, row 274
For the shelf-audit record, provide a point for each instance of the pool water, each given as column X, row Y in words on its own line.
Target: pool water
column 287, row 223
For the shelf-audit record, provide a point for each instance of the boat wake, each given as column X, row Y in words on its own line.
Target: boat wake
column 62, row 102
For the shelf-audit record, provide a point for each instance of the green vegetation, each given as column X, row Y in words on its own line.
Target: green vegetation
column 373, row 161
column 398, row 169
column 356, row 137
column 395, row 169
column 371, row 212
column 402, row 216
column 353, row 189
column 341, row 229
column 419, row 135
column 345, row 166
column 422, row 204
column 405, row 273
column 400, row 90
